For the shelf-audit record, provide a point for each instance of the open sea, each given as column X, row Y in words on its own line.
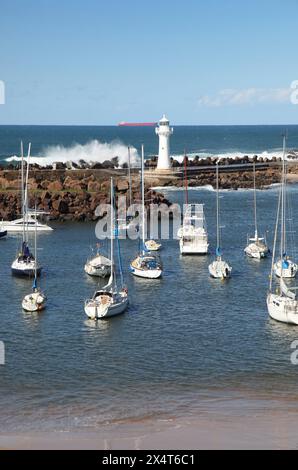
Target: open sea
column 188, row 345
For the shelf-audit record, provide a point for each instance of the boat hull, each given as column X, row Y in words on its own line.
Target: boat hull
column 219, row 270
column 288, row 273
column 17, row 226
column 146, row 273
column 282, row 309
column 193, row 248
column 23, row 269
column 152, row 245
column 253, row 251
column 34, row 302
column 92, row 309
column 102, row 271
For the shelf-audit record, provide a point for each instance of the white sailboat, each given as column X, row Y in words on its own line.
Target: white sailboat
column 152, row 245
column 193, row 233
column 98, row 265
column 36, row 300
column 257, row 247
column 219, row 268
column 29, row 217
column 146, row 264
column 284, row 266
column 110, row 300
column 282, row 304
column 25, row 263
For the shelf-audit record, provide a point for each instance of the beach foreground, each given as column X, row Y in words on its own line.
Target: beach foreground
column 267, row 429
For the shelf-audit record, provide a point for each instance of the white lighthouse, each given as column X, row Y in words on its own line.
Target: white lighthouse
column 164, row 131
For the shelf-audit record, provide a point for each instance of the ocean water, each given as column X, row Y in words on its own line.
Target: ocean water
column 99, row 143
column 187, row 344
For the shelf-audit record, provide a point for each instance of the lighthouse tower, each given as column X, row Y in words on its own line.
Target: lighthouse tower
column 164, row 131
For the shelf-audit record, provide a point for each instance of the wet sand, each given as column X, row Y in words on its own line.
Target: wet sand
column 264, row 430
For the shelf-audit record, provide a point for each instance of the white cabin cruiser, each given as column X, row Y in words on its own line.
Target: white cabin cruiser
column 193, row 233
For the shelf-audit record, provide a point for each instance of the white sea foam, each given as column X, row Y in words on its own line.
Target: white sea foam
column 233, row 155
column 208, row 187
column 93, row 151
column 96, row 151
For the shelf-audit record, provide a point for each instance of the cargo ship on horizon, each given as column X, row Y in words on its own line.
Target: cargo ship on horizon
column 136, row 124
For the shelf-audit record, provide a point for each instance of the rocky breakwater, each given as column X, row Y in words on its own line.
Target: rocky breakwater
column 68, row 194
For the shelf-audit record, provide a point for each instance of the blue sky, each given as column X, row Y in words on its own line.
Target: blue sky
column 101, row 62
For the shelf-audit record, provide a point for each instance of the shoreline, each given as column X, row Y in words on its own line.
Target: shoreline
column 272, row 430
column 244, row 421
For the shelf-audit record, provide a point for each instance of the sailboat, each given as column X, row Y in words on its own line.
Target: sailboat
column 257, row 246
column 219, row 268
column 98, row 265
column 146, row 264
column 35, row 301
column 193, row 233
column 111, row 300
column 25, row 263
column 282, row 304
column 29, row 217
column 284, row 266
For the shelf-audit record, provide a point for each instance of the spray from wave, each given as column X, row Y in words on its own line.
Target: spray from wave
column 234, row 155
column 93, row 151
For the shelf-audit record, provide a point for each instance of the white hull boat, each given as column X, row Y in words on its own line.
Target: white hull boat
column 220, row 269
column 282, row 308
column 25, row 267
column 34, row 302
column 29, row 223
column 99, row 266
column 110, row 300
column 257, row 249
column 105, row 305
column 152, row 245
column 281, row 302
column 193, row 233
column 285, row 268
column 146, row 266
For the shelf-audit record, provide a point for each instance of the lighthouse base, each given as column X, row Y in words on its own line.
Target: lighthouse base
column 171, row 172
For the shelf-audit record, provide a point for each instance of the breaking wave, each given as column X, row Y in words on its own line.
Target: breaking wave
column 93, row 151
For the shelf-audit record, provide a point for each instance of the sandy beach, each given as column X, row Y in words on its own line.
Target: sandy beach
column 266, row 429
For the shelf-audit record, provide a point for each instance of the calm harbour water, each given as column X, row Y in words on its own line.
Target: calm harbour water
column 188, row 344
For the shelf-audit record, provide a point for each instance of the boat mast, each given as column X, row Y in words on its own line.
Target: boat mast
column 112, row 233
column 217, row 214
column 129, row 177
column 26, row 191
column 275, row 239
column 35, row 254
column 185, row 178
column 255, row 201
column 143, row 201
column 282, row 225
column 22, row 188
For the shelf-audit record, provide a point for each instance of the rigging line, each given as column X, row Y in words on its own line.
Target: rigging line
column 118, row 244
column 275, row 239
